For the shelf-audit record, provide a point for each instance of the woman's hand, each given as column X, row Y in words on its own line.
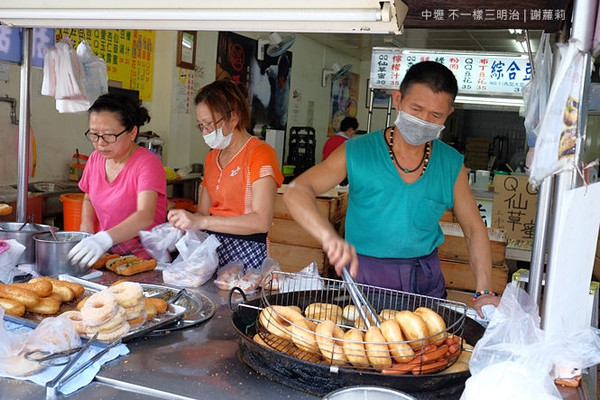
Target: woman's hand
column 183, row 220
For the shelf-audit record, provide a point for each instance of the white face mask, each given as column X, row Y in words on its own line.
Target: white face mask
column 216, row 139
column 416, row 131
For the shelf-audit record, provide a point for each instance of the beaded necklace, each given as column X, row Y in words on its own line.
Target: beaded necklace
column 424, row 160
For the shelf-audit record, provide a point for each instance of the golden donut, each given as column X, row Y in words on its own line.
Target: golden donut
column 350, row 313
column 99, row 308
column 377, row 349
column 65, row 292
column 354, row 348
column 135, row 322
column 75, row 317
column 323, row 311
column 12, row 307
column 127, row 293
column 435, row 324
column 114, row 334
column 46, row 306
column 134, row 311
column 109, row 325
column 284, row 346
column 42, row 288
column 24, row 296
column 303, row 335
column 160, row 305
column 386, row 314
column 329, row 336
column 277, row 320
column 402, row 352
column 5, row 209
column 413, row 328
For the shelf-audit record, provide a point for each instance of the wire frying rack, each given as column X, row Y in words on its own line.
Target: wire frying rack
column 279, row 328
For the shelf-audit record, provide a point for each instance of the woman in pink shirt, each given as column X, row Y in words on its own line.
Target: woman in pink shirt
column 124, row 184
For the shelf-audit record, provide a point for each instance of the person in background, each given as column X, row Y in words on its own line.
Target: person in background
column 348, row 128
column 401, row 180
column 124, row 184
column 241, row 177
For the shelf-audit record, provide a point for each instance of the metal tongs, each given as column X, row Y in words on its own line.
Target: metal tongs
column 360, row 301
column 50, row 359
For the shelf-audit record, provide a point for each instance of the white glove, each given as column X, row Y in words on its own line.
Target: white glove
column 89, row 250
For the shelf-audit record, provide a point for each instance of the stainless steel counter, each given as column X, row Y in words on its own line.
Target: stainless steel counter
column 199, row 362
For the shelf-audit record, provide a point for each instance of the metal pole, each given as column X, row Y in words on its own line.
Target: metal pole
column 24, row 139
column 530, row 53
column 370, row 114
column 389, row 112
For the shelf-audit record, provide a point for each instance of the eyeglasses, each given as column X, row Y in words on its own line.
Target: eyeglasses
column 208, row 128
column 108, row 138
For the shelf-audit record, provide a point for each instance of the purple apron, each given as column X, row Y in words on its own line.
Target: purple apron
column 420, row 275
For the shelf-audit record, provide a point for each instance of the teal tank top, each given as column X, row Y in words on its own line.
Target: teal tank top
column 387, row 218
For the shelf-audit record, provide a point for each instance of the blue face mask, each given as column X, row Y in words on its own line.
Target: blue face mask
column 416, row 131
column 216, row 139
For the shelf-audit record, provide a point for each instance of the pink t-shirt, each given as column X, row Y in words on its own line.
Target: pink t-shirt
column 115, row 201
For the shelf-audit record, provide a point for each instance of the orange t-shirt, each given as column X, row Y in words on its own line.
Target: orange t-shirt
column 230, row 188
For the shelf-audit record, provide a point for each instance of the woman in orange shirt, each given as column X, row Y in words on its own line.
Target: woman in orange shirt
column 241, row 177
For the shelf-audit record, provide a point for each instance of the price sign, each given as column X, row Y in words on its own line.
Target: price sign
column 475, row 73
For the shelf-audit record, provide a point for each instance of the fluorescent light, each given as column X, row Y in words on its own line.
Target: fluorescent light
column 490, row 101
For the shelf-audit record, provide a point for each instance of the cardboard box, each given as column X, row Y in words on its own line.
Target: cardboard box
column 294, row 258
column 459, row 276
column 331, row 207
column 514, row 207
column 454, row 247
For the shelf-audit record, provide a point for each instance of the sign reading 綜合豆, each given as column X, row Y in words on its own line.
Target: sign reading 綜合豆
column 129, row 54
column 475, row 73
column 514, row 208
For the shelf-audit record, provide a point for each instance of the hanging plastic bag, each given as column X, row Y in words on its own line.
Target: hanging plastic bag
column 95, row 75
column 514, row 358
column 535, row 93
column 197, row 260
column 160, row 240
column 10, row 251
column 557, row 139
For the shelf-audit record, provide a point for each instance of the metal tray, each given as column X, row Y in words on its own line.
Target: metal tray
column 174, row 313
column 198, row 308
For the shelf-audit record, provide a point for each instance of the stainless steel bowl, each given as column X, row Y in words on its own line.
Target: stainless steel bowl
column 10, row 230
column 51, row 255
column 367, row 393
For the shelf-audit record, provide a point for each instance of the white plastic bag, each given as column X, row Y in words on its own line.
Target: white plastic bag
column 95, row 75
column 197, row 260
column 514, row 358
column 8, row 259
column 160, row 240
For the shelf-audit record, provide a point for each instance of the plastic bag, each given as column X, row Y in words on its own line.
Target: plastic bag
column 232, row 275
column 160, row 240
column 53, row 334
column 95, row 75
column 305, row 279
column 535, row 93
column 229, row 275
column 514, row 358
column 197, row 260
column 8, row 259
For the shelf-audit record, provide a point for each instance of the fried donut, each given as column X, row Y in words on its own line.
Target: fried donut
column 46, row 306
column 413, row 328
column 82, row 303
column 24, row 296
column 99, row 308
column 12, row 307
column 323, row 311
column 75, row 317
column 109, row 336
column 65, row 292
column 435, row 324
column 277, row 320
column 377, row 349
column 109, row 325
column 329, row 336
column 354, row 348
column 386, row 314
column 134, row 311
column 350, row 313
column 135, row 322
column 303, row 335
column 42, row 288
column 160, row 305
column 285, row 346
column 402, row 352
column 127, row 293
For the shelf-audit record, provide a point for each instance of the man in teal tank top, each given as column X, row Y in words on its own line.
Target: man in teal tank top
column 401, row 180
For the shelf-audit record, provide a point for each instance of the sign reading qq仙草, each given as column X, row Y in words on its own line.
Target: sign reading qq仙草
column 514, row 208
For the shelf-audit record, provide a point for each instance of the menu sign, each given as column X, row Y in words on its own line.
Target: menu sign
column 475, row 73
